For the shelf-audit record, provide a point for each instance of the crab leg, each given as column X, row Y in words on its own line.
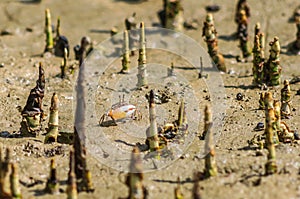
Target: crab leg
column 114, row 121
column 102, row 119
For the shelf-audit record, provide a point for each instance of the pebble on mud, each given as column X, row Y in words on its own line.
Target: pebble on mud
column 239, row 96
column 259, row 127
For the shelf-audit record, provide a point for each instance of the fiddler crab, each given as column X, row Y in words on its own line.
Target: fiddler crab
column 120, row 111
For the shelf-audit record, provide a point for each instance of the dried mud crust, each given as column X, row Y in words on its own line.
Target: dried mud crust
column 241, row 172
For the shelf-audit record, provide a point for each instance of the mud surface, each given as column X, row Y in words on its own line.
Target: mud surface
column 241, row 171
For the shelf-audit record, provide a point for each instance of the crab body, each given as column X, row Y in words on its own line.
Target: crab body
column 120, row 111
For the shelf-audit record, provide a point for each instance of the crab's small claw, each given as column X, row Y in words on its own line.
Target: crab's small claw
column 138, row 115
